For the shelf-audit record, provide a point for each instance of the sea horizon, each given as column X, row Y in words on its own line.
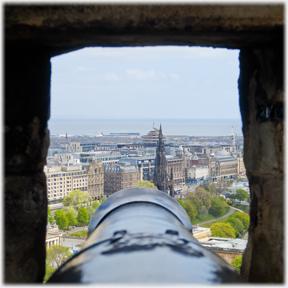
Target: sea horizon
column 188, row 127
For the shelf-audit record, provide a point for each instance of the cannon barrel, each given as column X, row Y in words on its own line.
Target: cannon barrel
column 143, row 236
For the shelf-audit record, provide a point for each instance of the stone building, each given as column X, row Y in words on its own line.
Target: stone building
column 145, row 164
column 80, row 146
column 197, row 172
column 177, row 166
column 63, row 157
column 61, row 180
column 53, row 236
column 222, row 165
column 96, row 179
column 241, row 167
column 119, row 177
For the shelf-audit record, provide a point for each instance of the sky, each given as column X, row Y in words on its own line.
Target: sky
column 162, row 82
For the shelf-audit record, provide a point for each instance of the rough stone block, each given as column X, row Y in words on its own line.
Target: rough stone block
column 25, row 228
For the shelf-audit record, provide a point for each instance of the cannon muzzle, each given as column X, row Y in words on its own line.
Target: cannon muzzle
column 143, row 236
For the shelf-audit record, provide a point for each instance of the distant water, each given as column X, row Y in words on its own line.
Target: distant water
column 190, row 127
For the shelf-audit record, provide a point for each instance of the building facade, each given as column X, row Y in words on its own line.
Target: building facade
column 222, row 165
column 119, row 177
column 197, row 172
column 80, row 146
column 96, row 180
column 107, row 157
column 62, row 180
column 146, row 166
column 177, row 165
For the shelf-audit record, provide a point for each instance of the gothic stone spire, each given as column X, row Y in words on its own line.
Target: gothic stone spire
column 160, row 178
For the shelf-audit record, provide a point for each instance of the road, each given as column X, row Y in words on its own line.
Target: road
column 76, row 229
column 232, row 209
column 73, row 244
column 56, row 206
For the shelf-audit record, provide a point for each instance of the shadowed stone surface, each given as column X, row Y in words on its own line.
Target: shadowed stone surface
column 33, row 33
column 27, row 105
column 261, row 81
column 25, row 228
column 231, row 26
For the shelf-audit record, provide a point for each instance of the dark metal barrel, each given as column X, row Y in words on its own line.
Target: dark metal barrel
column 143, row 236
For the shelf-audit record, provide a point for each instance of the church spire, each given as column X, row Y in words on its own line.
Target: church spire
column 160, row 178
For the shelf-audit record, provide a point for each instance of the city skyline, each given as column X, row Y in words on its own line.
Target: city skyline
column 168, row 82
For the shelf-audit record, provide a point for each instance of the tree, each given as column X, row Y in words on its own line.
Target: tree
column 76, row 198
column 146, row 184
column 95, row 204
column 222, row 230
column 205, row 185
column 195, row 202
column 241, row 194
column 225, row 204
column 229, row 202
column 203, row 197
column 56, row 255
column 181, row 203
column 202, row 211
column 69, row 209
column 210, row 187
column 49, row 215
column 222, row 185
column 70, row 218
column 244, row 218
column 237, row 262
column 87, row 197
column 90, row 211
column 61, row 219
column 237, row 225
column 190, row 210
column 102, row 200
column 49, row 271
column 217, row 207
column 233, row 197
column 82, row 216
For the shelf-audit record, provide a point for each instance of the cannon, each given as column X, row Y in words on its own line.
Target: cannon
column 143, row 236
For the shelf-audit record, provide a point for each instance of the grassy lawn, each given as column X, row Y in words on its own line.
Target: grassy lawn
column 79, row 234
column 209, row 217
column 223, row 220
column 241, row 207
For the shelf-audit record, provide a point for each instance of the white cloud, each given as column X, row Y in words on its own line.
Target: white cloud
column 174, row 76
column 110, row 76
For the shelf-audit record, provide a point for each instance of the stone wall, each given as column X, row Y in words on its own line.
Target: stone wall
column 27, row 104
column 34, row 33
column 262, row 103
column 227, row 256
